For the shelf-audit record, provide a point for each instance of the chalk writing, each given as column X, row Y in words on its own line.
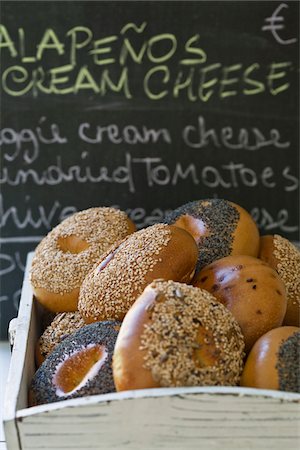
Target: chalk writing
column 130, row 134
column 276, row 23
column 202, row 85
column 156, row 172
column 145, row 112
column 34, row 220
column 200, row 136
column 9, row 263
column 267, row 221
column 26, row 142
column 41, row 217
column 179, row 68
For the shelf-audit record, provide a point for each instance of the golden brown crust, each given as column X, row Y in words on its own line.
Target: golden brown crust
column 246, row 234
column 56, row 302
column 127, row 348
column 177, row 335
column 284, row 257
column 250, row 289
column 64, row 257
column 260, row 368
column 159, row 251
column 266, row 251
column 219, row 227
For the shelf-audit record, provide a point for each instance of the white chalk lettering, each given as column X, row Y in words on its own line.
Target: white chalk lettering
column 129, row 134
column 294, row 181
column 265, row 220
column 199, row 136
column 26, row 142
column 156, row 171
column 8, row 264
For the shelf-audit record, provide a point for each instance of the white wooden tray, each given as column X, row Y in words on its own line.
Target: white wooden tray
column 175, row 418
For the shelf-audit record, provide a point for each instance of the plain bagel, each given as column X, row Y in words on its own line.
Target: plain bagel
column 250, row 289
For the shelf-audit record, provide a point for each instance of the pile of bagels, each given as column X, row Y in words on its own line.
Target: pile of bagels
column 198, row 300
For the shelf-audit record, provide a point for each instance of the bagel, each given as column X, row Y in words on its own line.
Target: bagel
column 79, row 366
column 61, row 327
column 64, row 257
column 284, row 257
column 274, row 361
column 159, row 251
column 177, row 335
column 219, row 227
column 250, row 289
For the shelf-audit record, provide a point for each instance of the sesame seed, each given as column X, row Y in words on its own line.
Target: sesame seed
column 288, row 267
column 62, row 325
column 61, row 271
column 109, row 293
column 170, row 338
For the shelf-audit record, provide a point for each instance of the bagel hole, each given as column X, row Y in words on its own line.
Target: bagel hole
column 74, row 372
column 207, row 354
column 72, row 244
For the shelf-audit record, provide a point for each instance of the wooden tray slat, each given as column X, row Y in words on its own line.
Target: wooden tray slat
column 174, row 418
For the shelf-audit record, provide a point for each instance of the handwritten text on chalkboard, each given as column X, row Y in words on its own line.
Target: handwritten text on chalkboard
column 109, row 60
column 144, row 106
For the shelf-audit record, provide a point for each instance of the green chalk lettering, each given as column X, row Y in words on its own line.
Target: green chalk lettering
column 203, row 85
column 147, row 80
column 58, row 78
column 38, row 78
column 127, row 49
column 121, row 86
column 98, row 51
column 85, row 80
column 22, row 43
column 225, row 81
column 259, row 87
column 198, row 51
column 159, row 39
column 7, row 42
column 187, row 84
column 25, row 59
column 75, row 43
column 49, row 42
column 16, row 75
column 275, row 75
column 132, row 25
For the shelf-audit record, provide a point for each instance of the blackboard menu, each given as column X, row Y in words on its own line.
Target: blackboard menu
column 144, row 106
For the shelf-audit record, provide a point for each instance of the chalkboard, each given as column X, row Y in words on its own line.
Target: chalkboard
column 144, row 106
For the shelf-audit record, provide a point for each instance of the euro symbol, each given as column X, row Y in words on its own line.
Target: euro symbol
column 276, row 23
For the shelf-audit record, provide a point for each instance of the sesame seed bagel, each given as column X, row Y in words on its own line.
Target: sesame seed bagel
column 159, row 251
column 250, row 289
column 64, row 257
column 62, row 325
column 284, row 257
column 80, row 365
column 274, row 361
column 220, row 228
column 177, row 335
